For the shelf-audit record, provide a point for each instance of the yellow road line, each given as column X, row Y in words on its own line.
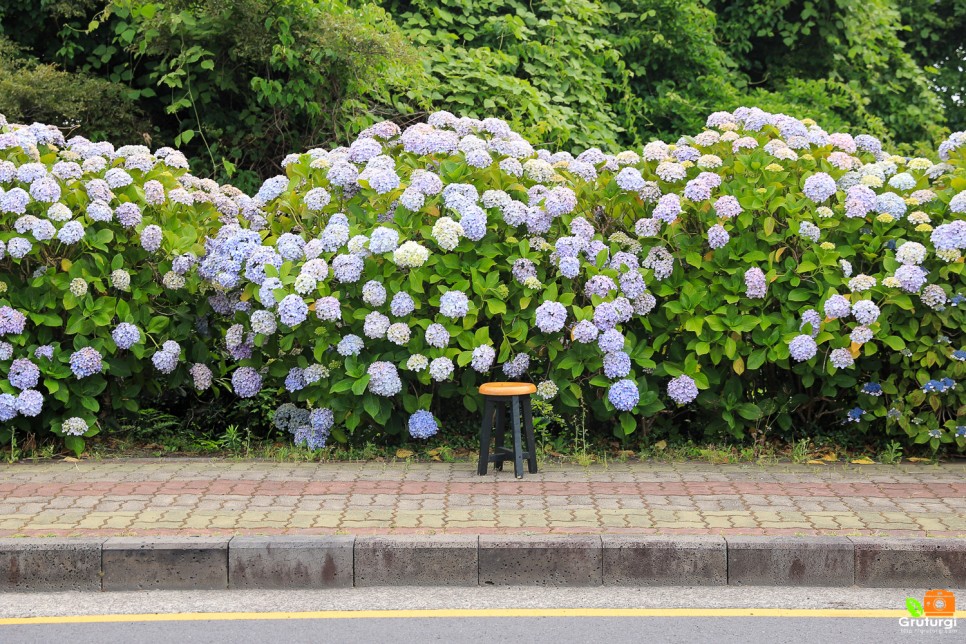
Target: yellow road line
column 460, row 612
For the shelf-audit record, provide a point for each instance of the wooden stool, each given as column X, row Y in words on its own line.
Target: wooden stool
column 496, row 395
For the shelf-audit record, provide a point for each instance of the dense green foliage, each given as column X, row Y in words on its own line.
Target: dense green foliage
column 237, row 85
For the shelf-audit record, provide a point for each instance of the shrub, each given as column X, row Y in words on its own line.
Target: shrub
column 98, row 299
column 762, row 273
column 775, row 273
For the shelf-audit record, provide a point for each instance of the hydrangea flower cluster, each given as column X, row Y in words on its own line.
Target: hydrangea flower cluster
column 578, row 271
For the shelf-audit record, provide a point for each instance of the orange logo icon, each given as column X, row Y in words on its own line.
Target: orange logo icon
column 939, row 603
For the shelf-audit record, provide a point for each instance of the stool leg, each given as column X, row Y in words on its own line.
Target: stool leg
column 531, row 442
column 517, row 448
column 500, row 433
column 485, row 437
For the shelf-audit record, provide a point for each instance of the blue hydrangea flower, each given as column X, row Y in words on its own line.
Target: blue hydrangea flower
column 624, row 395
column 483, row 358
column 45, row 351
column 292, row 310
column 611, row 341
column 551, row 316
column 347, row 268
column 872, row 389
column 437, row 336
column 383, row 240
column 718, row 237
column 165, row 361
column 8, row 407
column 384, row 379
column 402, row 304
column 85, row 362
column 837, row 307
column 350, row 345
column 126, row 335
column 263, row 322
column 855, row 415
column 454, row 304
column 422, row 424
column 30, row 402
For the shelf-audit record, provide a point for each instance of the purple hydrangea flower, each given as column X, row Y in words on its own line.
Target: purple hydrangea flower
column 517, row 366
column 802, row 348
column 126, row 335
column 585, row 332
column 30, row 402
column 841, row 359
column 682, row 390
column 812, row 318
column 23, row 374
column 819, row 187
column 755, row 284
column 727, row 206
column 85, row 362
column 292, row 310
column 551, row 316
column 246, row 382
column 859, row 201
column 718, row 237
column 837, row 307
column 617, row 365
column 12, row 321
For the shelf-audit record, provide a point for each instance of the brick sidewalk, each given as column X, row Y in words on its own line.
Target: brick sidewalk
column 215, row 497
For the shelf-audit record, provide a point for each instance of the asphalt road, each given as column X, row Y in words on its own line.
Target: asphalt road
column 534, row 615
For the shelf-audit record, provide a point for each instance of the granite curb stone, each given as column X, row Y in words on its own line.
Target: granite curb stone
column 297, row 561
column 664, row 561
column 541, row 561
column 186, row 563
column 790, row 561
column 891, row 562
column 278, row 562
column 50, row 564
column 415, row 560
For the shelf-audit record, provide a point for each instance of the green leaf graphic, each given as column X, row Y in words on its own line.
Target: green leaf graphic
column 914, row 607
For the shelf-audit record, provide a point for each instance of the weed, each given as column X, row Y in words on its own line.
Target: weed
column 892, row 454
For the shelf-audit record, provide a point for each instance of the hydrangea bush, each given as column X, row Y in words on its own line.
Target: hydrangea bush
column 99, row 297
column 759, row 273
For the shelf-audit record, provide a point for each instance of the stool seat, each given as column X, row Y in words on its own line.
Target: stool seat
column 507, row 389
